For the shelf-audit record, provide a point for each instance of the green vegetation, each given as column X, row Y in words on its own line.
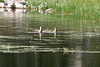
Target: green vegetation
column 1, row 0
column 83, row 7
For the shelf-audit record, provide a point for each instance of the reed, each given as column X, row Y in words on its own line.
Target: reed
column 84, row 7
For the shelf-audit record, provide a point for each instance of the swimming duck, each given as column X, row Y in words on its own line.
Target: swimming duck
column 40, row 30
column 55, row 30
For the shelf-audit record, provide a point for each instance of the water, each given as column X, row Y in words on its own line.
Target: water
column 76, row 43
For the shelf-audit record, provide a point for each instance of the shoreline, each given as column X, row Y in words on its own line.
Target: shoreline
column 16, row 5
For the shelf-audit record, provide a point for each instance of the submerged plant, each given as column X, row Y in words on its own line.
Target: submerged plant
column 65, row 50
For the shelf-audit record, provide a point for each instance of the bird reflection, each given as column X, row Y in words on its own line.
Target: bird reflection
column 40, row 32
column 55, row 32
column 40, row 35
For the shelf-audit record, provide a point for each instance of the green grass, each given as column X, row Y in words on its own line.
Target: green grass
column 83, row 7
column 1, row 1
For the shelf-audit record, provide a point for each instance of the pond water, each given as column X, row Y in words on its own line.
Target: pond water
column 76, row 43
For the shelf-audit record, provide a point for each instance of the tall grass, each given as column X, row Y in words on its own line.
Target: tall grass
column 84, row 7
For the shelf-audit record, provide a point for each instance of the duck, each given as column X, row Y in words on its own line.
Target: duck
column 49, row 10
column 55, row 30
column 40, row 30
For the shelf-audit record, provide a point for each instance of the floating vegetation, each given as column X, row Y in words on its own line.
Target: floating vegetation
column 16, row 37
column 25, row 49
column 65, row 50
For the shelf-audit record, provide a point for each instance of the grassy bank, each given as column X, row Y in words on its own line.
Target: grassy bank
column 84, row 7
column 1, row 1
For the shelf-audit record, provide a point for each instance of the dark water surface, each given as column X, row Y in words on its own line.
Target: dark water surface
column 76, row 44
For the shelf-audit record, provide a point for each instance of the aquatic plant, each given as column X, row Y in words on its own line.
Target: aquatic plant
column 65, row 50
column 6, row 46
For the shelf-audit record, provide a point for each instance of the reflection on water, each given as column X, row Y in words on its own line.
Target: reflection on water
column 76, row 43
